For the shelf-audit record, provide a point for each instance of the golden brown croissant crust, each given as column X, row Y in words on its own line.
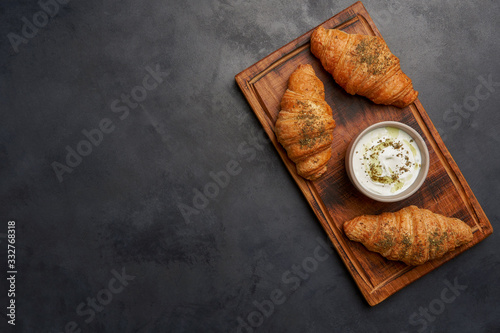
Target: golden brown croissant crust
column 412, row 235
column 363, row 65
column 305, row 124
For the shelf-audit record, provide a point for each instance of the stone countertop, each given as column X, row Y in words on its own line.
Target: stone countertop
column 147, row 199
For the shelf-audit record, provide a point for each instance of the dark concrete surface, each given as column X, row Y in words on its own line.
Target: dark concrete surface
column 122, row 241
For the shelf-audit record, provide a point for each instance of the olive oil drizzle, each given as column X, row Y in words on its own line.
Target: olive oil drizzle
column 374, row 168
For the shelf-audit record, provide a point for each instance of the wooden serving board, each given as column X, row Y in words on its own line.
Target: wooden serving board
column 333, row 198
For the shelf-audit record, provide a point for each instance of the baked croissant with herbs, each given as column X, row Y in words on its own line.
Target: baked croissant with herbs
column 411, row 235
column 363, row 65
column 305, row 124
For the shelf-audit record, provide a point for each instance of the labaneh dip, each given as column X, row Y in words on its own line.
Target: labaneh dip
column 386, row 161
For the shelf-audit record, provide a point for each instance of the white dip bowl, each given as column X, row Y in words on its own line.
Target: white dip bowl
column 388, row 161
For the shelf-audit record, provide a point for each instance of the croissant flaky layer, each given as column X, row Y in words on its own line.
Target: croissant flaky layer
column 363, row 65
column 305, row 124
column 412, row 235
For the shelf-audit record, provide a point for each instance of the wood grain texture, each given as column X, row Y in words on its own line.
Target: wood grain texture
column 332, row 197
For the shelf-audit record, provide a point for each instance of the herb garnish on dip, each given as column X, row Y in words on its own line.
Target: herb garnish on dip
column 386, row 161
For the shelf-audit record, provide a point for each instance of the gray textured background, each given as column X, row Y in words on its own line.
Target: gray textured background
column 118, row 210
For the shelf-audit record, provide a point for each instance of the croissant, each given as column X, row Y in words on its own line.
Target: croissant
column 411, row 235
column 363, row 65
column 305, row 124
